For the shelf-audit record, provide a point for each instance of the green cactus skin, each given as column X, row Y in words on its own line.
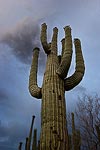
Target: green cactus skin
column 75, row 79
column 55, row 82
column 63, row 68
column 35, row 91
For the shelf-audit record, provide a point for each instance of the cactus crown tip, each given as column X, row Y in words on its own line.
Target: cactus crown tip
column 67, row 27
column 55, row 28
column 21, row 143
column 44, row 24
column 36, row 48
column 35, row 129
column 77, row 40
column 72, row 113
column 63, row 40
column 33, row 116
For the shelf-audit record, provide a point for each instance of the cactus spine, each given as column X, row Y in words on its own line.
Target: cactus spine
column 55, row 83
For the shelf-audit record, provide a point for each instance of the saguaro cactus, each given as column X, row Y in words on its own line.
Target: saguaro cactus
column 55, row 83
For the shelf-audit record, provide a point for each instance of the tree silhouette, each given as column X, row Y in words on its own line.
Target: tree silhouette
column 88, row 120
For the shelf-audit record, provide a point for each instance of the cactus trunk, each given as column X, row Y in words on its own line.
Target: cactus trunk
column 53, row 132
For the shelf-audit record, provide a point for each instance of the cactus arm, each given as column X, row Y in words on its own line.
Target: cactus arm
column 63, row 45
column 75, row 79
column 54, row 41
column 34, row 90
column 66, row 54
column 43, row 38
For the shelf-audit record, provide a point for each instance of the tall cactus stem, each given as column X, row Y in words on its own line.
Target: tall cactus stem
column 30, row 134
column 26, row 143
column 34, row 144
column 20, row 146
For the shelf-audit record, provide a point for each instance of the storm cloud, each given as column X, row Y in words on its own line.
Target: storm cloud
column 22, row 39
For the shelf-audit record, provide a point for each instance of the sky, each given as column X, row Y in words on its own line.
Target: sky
column 20, row 25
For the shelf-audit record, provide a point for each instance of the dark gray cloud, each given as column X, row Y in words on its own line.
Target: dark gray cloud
column 16, row 105
column 22, row 39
